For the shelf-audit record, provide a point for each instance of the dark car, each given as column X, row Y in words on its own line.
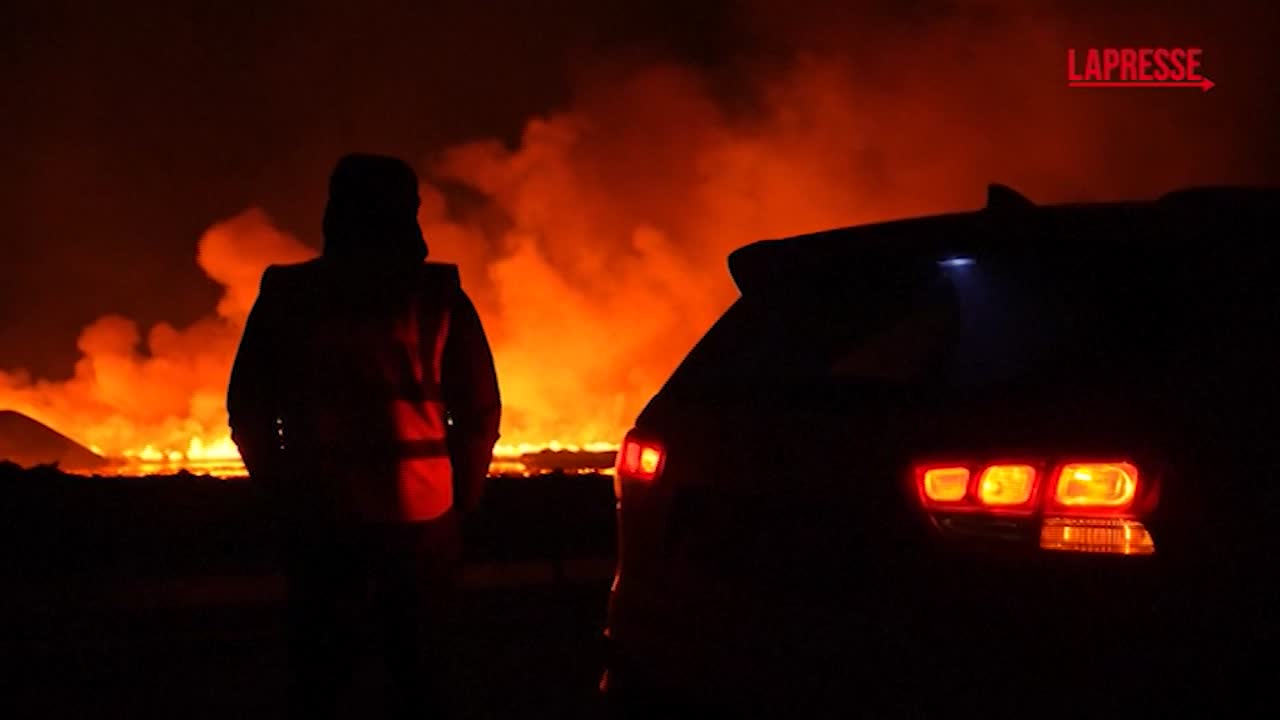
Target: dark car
column 1017, row 460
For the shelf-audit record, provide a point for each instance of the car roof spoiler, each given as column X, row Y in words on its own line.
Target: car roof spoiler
column 1002, row 198
column 763, row 263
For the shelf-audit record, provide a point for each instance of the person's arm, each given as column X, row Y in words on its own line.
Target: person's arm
column 251, row 402
column 470, row 387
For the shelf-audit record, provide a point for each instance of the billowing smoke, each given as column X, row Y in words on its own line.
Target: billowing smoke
column 595, row 247
column 163, row 390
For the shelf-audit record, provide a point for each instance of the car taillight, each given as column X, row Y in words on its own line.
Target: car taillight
column 1098, row 535
column 1006, row 485
column 639, row 459
column 1083, row 506
column 958, row 487
column 945, row 484
column 1096, row 485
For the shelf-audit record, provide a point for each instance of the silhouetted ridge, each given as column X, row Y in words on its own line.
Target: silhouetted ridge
column 29, row 442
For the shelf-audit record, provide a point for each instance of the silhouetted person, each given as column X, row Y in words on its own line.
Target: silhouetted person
column 364, row 402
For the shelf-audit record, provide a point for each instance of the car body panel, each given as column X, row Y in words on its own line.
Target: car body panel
column 782, row 557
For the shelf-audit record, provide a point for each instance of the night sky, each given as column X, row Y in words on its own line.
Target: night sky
column 128, row 129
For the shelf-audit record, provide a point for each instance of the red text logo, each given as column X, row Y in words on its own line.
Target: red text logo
column 1136, row 67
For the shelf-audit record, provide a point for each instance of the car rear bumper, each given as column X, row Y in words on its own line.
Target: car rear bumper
column 954, row 628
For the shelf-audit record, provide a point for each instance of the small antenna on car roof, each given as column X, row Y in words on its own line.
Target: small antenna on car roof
column 1003, row 197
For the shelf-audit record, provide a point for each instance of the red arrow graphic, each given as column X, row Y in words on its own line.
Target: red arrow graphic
column 1204, row 84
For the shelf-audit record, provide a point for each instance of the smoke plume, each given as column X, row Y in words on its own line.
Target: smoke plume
column 162, row 392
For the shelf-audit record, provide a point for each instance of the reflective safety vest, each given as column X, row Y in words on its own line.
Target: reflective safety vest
column 425, row 473
column 363, row 418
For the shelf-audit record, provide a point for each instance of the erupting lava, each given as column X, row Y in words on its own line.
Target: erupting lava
column 221, row 458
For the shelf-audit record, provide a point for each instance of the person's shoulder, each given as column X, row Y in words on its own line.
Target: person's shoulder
column 288, row 273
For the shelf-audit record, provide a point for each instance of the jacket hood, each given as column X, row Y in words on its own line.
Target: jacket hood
column 372, row 213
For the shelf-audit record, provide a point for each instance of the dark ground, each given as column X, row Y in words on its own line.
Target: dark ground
column 158, row 597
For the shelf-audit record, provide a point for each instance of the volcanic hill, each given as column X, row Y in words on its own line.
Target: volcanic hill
column 29, row 442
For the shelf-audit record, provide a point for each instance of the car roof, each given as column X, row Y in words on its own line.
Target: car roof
column 882, row 244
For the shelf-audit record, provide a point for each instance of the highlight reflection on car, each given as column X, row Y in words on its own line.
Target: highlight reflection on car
column 1021, row 457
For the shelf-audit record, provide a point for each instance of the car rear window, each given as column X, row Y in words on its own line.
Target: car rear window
column 1082, row 307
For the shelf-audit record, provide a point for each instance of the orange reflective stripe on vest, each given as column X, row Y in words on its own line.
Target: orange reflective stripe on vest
column 424, row 474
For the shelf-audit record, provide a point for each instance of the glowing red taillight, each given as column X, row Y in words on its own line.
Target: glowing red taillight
column 1006, row 485
column 944, row 484
column 1082, row 506
column 1096, row 485
column 639, row 459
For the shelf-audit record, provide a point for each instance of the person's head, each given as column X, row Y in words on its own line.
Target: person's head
column 372, row 212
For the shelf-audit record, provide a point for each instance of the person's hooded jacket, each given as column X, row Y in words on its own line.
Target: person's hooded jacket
column 364, row 388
